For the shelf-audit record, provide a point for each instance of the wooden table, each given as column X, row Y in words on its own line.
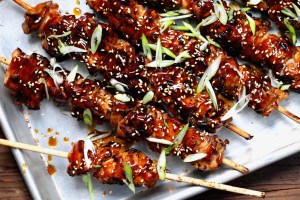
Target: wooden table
column 280, row 180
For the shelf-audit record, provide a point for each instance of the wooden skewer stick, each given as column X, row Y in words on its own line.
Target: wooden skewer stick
column 23, row 4
column 239, row 131
column 169, row 176
column 288, row 114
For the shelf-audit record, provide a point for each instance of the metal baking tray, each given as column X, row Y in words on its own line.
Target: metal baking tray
column 276, row 136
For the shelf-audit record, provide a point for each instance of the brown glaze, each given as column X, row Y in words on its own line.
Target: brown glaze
column 136, row 20
column 88, row 94
column 108, row 164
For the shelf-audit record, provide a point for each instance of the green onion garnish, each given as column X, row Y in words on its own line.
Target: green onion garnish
column 174, row 13
column 148, row 97
column 251, row 23
column 96, row 39
column 164, row 63
column 240, row 105
column 230, row 13
column 289, row 13
column 208, row 74
column 297, row 10
column 195, row 33
column 207, row 21
column 129, row 177
column 161, row 165
column 122, row 97
column 87, row 117
column 88, row 146
column 212, row 95
column 291, row 30
column 254, row 2
column 72, row 74
column 59, row 36
column 221, row 12
column 65, row 49
column 182, row 56
column 118, row 85
column 164, row 50
column 177, row 141
column 86, row 178
column 194, row 157
column 175, row 17
column 146, row 48
column 180, row 28
column 165, row 25
column 166, row 124
column 42, row 80
column 160, row 141
column 158, row 55
column 211, row 41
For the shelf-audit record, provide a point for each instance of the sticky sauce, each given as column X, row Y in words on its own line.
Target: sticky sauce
column 77, row 12
column 36, row 131
column 77, row 2
column 66, row 139
column 49, row 158
column 51, row 169
column 49, row 130
column 52, row 141
column 57, row 133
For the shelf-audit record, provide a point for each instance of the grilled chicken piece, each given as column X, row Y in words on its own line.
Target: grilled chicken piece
column 107, row 164
column 150, row 122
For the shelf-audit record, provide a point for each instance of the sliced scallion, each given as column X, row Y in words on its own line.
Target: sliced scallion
column 87, row 117
column 211, row 41
column 254, row 2
column 86, row 179
column 240, row 105
column 291, row 30
column 195, row 33
column 194, row 157
column 175, row 17
column 96, row 39
column 65, row 49
column 251, row 23
column 42, row 80
column 182, row 56
column 297, row 10
column 59, row 36
column 129, row 177
column 289, row 13
column 221, row 12
column 164, row 63
column 95, row 137
column 231, row 13
column 160, row 141
column 177, row 141
column 148, row 97
column 174, row 13
column 146, row 48
column 209, row 73
column 72, row 75
column 207, row 21
column 165, row 25
column 122, row 97
column 161, row 165
column 158, row 55
column 212, row 95
column 88, row 147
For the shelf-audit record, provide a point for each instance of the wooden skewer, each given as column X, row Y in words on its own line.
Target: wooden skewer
column 169, row 176
column 23, row 4
column 288, row 114
column 239, row 131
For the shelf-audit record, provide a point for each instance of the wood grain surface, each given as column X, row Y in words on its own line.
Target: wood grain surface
column 280, row 180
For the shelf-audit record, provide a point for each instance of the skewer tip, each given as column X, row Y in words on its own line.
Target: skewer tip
column 23, row 4
column 288, row 114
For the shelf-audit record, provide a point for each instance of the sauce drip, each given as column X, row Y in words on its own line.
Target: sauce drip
column 51, row 169
column 77, row 12
column 49, row 158
column 66, row 139
column 52, row 142
column 77, row 2
column 36, row 131
column 49, row 130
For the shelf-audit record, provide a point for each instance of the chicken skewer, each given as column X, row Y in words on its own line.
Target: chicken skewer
column 29, row 81
column 134, row 15
column 207, row 118
column 263, row 49
column 148, row 175
column 277, row 11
